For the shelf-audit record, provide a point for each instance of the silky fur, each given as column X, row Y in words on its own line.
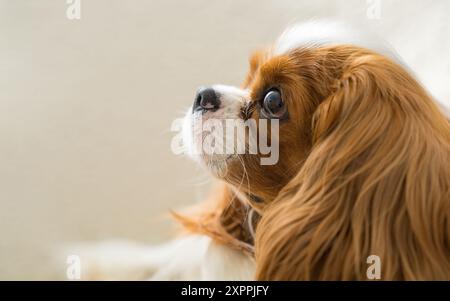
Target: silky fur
column 364, row 170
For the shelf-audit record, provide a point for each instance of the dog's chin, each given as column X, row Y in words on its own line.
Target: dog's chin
column 217, row 165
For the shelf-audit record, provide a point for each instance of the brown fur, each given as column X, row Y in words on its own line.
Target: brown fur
column 364, row 170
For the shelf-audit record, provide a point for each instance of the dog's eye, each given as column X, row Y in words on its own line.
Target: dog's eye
column 273, row 105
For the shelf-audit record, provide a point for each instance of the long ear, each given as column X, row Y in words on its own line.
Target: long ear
column 223, row 217
column 377, row 182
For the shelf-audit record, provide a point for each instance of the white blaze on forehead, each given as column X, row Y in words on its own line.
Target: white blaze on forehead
column 321, row 33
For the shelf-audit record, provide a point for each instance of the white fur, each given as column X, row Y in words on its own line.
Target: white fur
column 188, row 258
column 321, row 33
column 232, row 99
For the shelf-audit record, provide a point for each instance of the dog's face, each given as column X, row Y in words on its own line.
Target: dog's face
column 272, row 102
column 277, row 99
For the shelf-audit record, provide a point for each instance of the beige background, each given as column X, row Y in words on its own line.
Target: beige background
column 86, row 106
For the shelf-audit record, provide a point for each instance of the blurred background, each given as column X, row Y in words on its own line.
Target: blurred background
column 86, row 106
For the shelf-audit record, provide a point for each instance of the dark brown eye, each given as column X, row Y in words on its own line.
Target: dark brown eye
column 274, row 105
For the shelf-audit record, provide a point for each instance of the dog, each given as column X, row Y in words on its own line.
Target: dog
column 364, row 162
column 362, row 169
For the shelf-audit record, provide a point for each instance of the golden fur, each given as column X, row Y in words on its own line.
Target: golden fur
column 364, row 170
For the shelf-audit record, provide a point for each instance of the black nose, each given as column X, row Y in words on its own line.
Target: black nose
column 206, row 99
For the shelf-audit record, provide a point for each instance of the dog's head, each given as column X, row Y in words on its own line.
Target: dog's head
column 342, row 153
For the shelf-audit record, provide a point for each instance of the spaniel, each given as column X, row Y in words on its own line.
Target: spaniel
column 362, row 168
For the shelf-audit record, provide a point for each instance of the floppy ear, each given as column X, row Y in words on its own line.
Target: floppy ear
column 377, row 182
